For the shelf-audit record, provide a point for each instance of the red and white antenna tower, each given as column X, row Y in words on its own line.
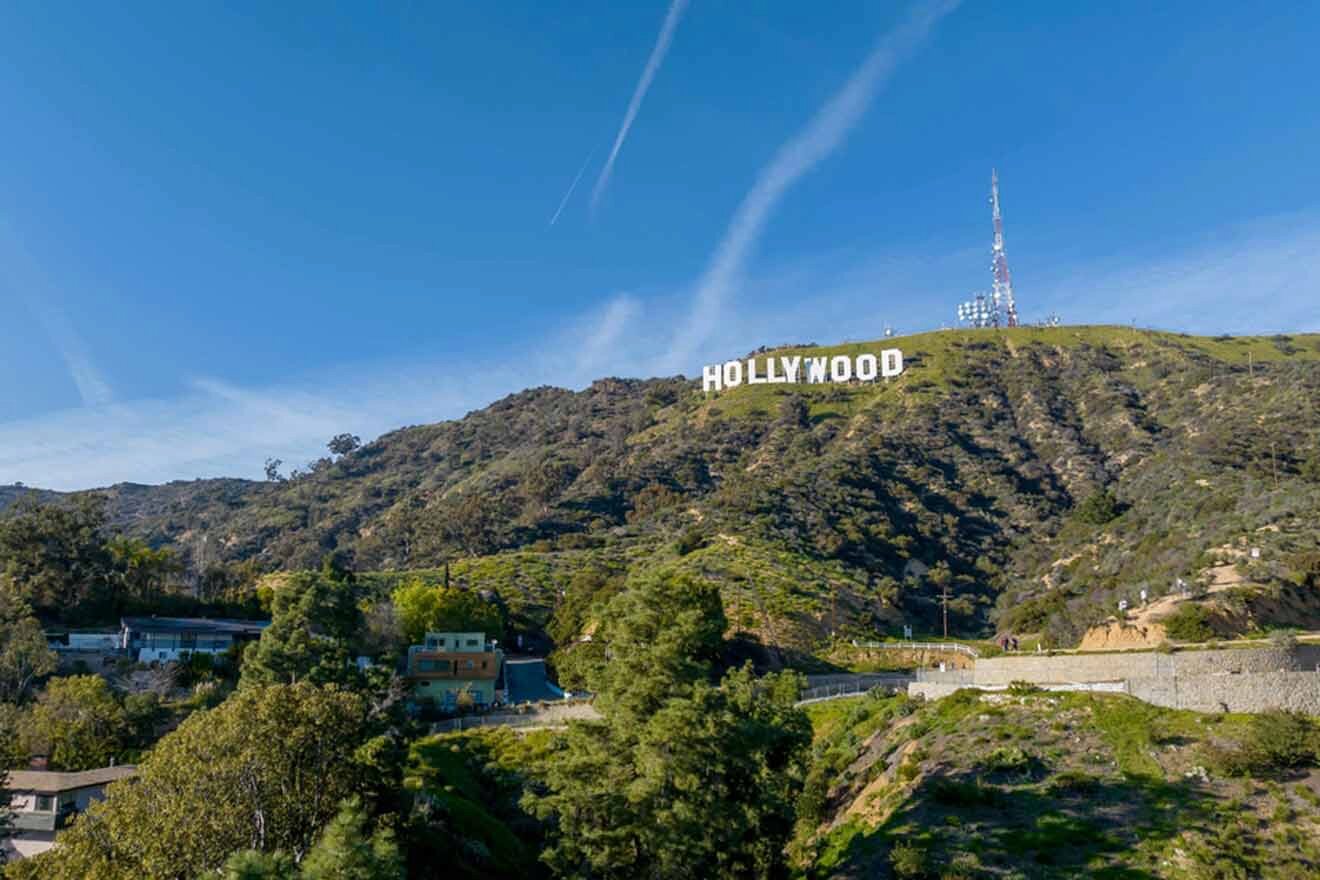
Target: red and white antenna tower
column 1003, row 289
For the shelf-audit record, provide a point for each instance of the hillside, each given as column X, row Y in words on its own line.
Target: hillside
column 1030, row 784
column 1052, row 471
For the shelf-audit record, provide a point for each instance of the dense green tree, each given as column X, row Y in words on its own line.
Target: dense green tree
column 346, row 850
column 663, row 636
column 315, row 622
column 343, row 444
column 423, row 608
column 253, row 865
column 266, row 770
column 54, row 556
column 24, row 654
column 683, row 777
column 77, row 722
column 138, row 571
column 349, row 850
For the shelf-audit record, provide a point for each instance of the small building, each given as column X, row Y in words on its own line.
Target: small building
column 163, row 639
column 451, row 667
column 43, row 802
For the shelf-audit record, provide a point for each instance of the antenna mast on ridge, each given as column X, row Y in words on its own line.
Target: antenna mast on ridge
column 1003, row 289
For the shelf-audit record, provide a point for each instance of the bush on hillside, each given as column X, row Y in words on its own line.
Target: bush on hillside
column 1189, row 623
column 1279, row 742
column 1098, row 509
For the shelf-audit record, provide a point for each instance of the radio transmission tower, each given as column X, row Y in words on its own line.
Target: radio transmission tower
column 1003, row 289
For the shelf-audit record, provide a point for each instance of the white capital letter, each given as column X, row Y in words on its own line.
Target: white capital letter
column 752, row 378
column 732, row 374
column 710, row 378
column 840, row 368
column 867, row 367
column 816, row 370
column 791, row 365
column 891, row 362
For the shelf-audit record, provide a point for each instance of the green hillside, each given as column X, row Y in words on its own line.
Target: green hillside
column 1032, row 784
column 1042, row 472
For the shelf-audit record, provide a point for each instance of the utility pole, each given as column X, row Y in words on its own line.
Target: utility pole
column 944, row 597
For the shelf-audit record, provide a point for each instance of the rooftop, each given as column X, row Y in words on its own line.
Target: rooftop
column 54, row 782
column 195, row 625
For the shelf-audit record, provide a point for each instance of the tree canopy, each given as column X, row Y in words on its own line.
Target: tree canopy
column 24, row 654
column 77, row 722
column 423, row 608
column 266, row 770
column 315, row 621
column 685, row 776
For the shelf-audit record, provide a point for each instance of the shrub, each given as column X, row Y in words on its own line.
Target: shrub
column 908, row 861
column 1098, row 509
column 1189, row 623
column 1278, row 742
column 1006, row 759
column 953, row 793
column 1074, row 782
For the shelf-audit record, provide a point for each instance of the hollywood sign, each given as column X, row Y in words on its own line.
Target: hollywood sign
column 791, row 369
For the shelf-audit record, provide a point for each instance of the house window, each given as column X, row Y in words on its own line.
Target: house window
column 45, row 803
column 469, row 665
column 472, row 643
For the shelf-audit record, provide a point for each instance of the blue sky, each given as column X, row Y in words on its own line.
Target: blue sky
column 230, row 231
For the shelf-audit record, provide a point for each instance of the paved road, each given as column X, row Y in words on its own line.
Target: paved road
column 526, row 682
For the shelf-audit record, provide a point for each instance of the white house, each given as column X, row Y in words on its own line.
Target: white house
column 163, row 639
column 43, row 802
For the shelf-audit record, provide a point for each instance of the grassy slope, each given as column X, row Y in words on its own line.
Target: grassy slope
column 1045, row 785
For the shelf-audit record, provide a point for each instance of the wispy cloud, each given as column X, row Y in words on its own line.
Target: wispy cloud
column 801, row 153
column 604, row 333
column 658, row 52
column 90, row 382
column 571, row 187
column 1262, row 279
column 25, row 280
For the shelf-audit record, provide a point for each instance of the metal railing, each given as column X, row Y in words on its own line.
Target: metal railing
column 949, row 647
column 851, row 688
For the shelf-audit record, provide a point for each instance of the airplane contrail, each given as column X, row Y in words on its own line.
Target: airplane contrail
column 800, row 154
column 653, row 63
column 572, row 186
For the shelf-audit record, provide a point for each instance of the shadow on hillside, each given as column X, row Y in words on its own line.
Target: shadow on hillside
column 745, row 646
column 1050, row 830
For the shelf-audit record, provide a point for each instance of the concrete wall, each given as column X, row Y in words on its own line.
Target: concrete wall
column 1248, row 692
column 1234, row 680
column 1042, row 669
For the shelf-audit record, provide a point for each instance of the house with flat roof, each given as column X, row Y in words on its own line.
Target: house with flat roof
column 164, row 639
column 450, row 667
column 44, row 801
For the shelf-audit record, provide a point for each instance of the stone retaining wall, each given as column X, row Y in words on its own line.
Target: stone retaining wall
column 1248, row 692
column 1043, row 669
column 1234, row 680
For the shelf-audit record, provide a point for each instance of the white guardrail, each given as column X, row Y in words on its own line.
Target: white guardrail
column 952, row 647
